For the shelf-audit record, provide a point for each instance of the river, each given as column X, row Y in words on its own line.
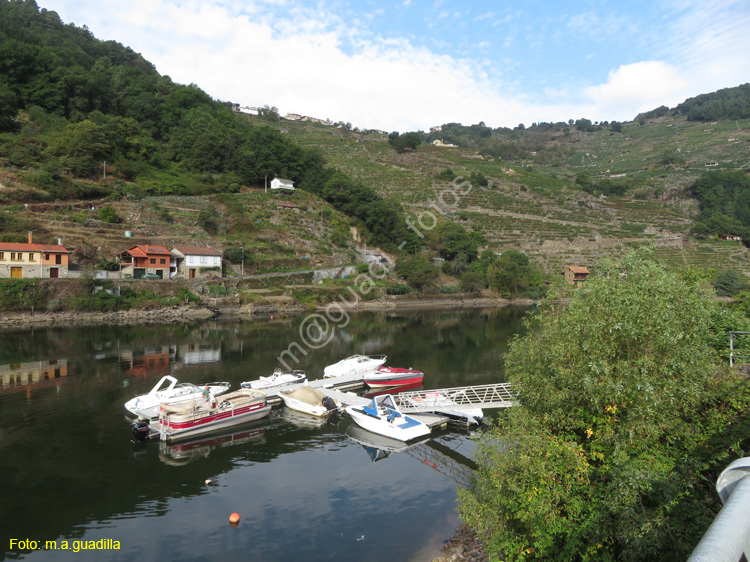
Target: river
column 73, row 477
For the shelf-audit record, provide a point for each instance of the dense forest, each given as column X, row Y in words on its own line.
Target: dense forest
column 75, row 108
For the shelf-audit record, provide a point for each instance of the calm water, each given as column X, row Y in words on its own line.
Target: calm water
column 71, row 471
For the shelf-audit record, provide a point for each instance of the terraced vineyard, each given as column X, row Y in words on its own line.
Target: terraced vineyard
column 534, row 205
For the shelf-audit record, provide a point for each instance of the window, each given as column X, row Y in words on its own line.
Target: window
column 31, row 257
column 153, row 261
column 58, row 259
column 12, row 256
column 2, row 255
column 162, row 261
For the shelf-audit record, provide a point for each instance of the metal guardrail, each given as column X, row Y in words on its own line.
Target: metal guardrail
column 498, row 395
column 732, row 354
column 728, row 537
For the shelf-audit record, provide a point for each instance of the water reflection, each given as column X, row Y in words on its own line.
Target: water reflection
column 71, row 470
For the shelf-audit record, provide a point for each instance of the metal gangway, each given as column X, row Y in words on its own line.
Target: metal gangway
column 498, row 395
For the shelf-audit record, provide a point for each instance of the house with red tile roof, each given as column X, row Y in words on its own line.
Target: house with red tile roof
column 27, row 260
column 145, row 260
column 193, row 262
column 575, row 274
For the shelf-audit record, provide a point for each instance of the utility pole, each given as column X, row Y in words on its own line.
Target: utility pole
column 243, row 261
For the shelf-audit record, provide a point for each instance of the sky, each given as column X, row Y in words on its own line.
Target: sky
column 408, row 65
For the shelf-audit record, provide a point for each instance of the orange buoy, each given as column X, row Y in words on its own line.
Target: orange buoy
column 234, row 518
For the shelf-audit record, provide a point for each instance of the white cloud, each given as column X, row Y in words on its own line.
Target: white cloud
column 637, row 87
column 312, row 61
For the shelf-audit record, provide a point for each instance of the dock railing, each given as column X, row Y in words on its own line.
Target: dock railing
column 728, row 537
column 498, row 395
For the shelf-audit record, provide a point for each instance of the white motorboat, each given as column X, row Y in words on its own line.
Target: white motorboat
column 382, row 416
column 355, row 364
column 279, row 379
column 309, row 400
column 168, row 391
column 178, row 421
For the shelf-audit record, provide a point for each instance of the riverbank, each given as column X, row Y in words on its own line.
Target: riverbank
column 230, row 309
column 463, row 546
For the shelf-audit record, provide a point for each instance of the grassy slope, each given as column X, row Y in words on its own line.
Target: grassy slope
column 532, row 205
column 536, row 207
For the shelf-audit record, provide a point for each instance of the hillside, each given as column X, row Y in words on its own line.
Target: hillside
column 535, row 205
column 88, row 126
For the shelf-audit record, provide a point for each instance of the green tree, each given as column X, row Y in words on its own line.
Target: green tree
column 729, row 282
column 407, row 141
column 108, row 214
column 417, row 271
column 624, row 417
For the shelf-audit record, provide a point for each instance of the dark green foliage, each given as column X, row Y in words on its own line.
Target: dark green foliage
column 108, row 214
column 8, row 109
column 602, row 187
column 452, row 240
column 209, row 219
column 729, row 282
column 407, row 141
column 21, row 294
column 728, row 103
column 417, row 271
column 724, row 199
column 472, row 281
column 398, row 289
column 512, row 275
column 446, row 175
column 625, row 420
column 235, row 254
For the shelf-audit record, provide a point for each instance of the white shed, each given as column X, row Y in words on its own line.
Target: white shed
column 279, row 183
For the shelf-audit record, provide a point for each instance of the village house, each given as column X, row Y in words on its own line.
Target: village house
column 575, row 274
column 29, row 260
column 280, row 183
column 732, row 237
column 193, row 262
column 145, row 262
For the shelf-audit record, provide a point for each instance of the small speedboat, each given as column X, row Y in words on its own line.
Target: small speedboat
column 168, row 391
column 279, row 379
column 393, row 376
column 177, row 421
column 309, row 400
column 354, row 365
column 382, row 416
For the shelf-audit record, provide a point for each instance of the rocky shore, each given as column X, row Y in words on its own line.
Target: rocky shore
column 463, row 546
column 229, row 309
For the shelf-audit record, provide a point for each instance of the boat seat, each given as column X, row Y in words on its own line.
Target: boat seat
column 409, row 422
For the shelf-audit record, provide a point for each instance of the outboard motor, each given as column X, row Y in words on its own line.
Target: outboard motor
column 329, row 403
column 141, row 431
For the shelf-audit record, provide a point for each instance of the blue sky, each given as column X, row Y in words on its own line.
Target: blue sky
column 411, row 64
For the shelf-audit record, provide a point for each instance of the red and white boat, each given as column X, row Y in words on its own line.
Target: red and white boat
column 393, row 376
column 177, row 421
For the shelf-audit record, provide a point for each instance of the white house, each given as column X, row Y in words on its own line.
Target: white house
column 194, row 262
column 279, row 183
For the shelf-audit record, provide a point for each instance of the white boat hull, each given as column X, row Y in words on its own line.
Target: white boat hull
column 146, row 406
column 311, row 402
column 402, row 428
column 354, row 365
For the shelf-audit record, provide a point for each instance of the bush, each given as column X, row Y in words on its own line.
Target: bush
column 398, row 289
column 625, row 418
column 108, row 214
